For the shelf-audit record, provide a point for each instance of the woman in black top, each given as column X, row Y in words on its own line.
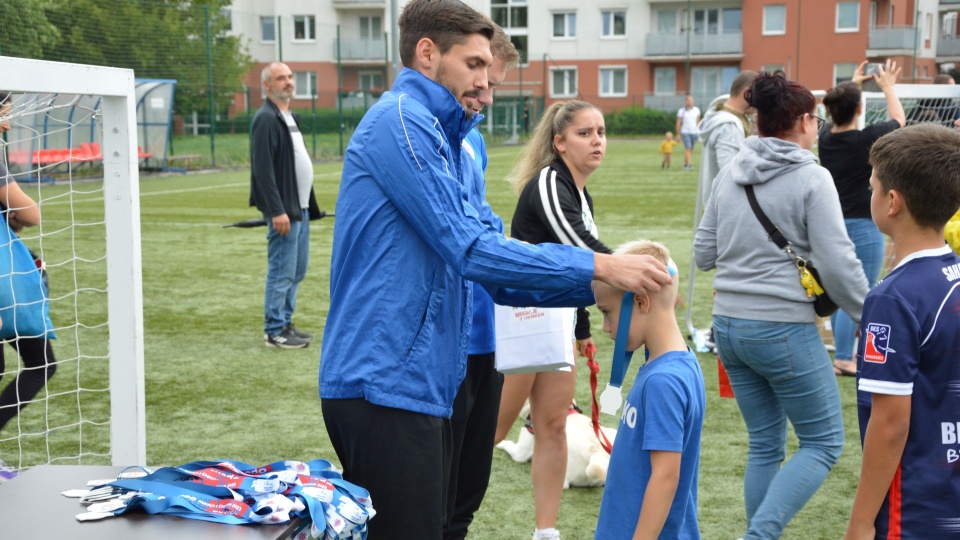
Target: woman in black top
column 551, row 175
column 845, row 151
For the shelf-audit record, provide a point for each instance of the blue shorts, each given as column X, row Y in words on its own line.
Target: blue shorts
column 689, row 140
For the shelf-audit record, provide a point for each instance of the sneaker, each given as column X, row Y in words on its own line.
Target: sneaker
column 710, row 343
column 300, row 333
column 286, row 339
column 6, row 473
column 546, row 534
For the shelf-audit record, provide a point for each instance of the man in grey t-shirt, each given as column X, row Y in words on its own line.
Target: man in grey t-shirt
column 281, row 187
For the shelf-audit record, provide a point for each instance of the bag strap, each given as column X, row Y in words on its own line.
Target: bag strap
column 595, row 407
column 776, row 235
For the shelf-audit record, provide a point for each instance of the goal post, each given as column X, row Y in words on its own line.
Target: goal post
column 121, row 193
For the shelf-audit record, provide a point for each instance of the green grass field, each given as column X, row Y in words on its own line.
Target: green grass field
column 214, row 391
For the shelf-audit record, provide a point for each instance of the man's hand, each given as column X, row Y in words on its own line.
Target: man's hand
column 281, row 224
column 639, row 274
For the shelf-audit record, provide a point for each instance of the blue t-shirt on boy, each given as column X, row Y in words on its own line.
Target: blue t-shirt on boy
column 663, row 411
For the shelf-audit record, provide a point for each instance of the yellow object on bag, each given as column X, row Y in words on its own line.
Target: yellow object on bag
column 809, row 282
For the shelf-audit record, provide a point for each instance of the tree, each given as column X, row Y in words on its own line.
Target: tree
column 26, row 30
column 158, row 40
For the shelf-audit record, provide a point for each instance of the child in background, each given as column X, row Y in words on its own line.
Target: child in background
column 908, row 360
column 651, row 488
column 666, row 148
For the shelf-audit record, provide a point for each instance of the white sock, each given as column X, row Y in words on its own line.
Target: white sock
column 550, row 533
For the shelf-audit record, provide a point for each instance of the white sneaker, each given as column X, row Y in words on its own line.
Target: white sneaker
column 546, row 534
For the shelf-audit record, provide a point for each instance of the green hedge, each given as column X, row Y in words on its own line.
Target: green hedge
column 639, row 121
column 326, row 120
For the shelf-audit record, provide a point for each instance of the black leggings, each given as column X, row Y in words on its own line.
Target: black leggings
column 38, row 366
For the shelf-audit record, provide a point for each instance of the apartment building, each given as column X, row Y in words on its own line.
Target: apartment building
column 614, row 53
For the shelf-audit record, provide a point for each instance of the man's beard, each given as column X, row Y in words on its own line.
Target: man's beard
column 280, row 95
column 442, row 80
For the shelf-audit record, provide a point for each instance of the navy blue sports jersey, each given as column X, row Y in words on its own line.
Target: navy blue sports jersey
column 910, row 345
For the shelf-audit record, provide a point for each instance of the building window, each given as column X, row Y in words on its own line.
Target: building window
column 928, row 31
column 226, row 15
column 371, row 80
column 706, row 83
column 371, row 28
column 563, row 82
column 304, row 28
column 614, row 23
column 613, row 81
column 564, row 25
column 305, row 83
column 848, row 17
column 520, row 43
column 731, row 20
column 665, row 81
column 667, row 21
column 714, row 21
column 268, row 29
column 774, row 20
column 843, row 72
column 509, row 14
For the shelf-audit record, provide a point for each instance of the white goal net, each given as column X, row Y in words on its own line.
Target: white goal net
column 937, row 103
column 69, row 143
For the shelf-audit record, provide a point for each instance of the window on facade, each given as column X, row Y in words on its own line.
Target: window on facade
column 520, row 43
column 371, row 80
column 371, row 28
column 305, row 83
column 226, row 16
column 731, row 20
column 614, row 23
column 774, row 19
column 843, row 72
column 707, row 83
column 564, row 25
column 563, row 82
column 268, row 29
column 509, row 13
column 667, row 21
column 665, row 81
column 304, row 28
column 613, row 82
column 848, row 16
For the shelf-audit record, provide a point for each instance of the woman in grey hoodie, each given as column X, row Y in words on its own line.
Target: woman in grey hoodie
column 764, row 323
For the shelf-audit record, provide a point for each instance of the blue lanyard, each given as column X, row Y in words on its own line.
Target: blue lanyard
column 611, row 399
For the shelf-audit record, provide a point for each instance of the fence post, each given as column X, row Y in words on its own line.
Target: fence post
column 213, row 115
column 313, row 114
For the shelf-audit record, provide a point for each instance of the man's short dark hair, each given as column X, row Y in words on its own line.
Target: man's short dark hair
column 4, row 97
column 445, row 22
column 741, row 82
column 922, row 163
column 943, row 78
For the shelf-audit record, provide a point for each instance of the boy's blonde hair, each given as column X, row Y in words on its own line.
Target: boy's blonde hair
column 645, row 247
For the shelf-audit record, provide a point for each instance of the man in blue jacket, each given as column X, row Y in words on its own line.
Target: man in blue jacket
column 281, row 187
column 409, row 236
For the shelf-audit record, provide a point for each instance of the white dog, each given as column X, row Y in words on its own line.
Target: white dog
column 587, row 461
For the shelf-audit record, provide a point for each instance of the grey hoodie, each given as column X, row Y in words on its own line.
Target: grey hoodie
column 754, row 279
column 721, row 133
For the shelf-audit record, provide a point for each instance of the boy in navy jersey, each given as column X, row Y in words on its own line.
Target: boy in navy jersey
column 908, row 360
column 651, row 489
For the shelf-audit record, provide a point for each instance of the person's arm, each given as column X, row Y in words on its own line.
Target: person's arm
column 679, row 121
column 705, row 239
column 727, row 143
column 658, row 497
column 883, row 445
column 264, row 138
column 557, row 207
column 886, row 78
column 22, row 211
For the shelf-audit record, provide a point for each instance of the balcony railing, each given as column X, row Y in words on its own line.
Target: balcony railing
column 893, row 38
column 361, row 49
column 948, row 46
column 700, row 44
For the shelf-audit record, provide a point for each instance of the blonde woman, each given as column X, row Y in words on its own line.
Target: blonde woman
column 554, row 206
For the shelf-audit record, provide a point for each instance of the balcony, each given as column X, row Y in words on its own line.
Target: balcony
column 886, row 40
column 700, row 45
column 361, row 49
column 359, row 4
column 948, row 46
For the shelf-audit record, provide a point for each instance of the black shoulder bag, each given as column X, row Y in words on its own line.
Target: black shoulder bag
column 809, row 277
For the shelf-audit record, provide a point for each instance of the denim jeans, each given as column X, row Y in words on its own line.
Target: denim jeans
column 869, row 242
column 287, row 257
column 780, row 372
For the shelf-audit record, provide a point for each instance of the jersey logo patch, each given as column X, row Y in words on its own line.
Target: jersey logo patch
column 877, row 343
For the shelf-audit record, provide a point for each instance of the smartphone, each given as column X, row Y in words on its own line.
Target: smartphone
column 872, row 69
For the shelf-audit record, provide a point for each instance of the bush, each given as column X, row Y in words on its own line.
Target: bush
column 639, row 121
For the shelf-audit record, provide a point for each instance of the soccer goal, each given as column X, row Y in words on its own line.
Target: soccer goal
column 72, row 147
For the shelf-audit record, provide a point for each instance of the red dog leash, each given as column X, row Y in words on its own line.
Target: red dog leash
column 591, row 352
